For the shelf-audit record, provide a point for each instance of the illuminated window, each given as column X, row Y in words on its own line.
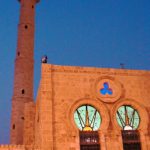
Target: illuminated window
column 129, row 120
column 87, row 118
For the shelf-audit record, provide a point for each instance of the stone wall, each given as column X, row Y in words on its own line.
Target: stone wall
column 29, row 124
column 38, row 136
column 18, row 147
column 44, row 128
column 64, row 88
column 12, row 147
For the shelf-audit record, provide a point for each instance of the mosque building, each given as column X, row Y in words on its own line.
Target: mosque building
column 77, row 108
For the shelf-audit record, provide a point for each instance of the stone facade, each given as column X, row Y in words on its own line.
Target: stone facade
column 63, row 89
column 49, row 123
column 18, row 147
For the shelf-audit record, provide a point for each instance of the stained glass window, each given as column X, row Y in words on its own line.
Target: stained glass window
column 87, row 118
column 128, row 118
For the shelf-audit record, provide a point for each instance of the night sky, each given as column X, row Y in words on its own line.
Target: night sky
column 96, row 33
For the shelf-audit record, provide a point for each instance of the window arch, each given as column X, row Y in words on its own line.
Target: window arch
column 143, row 115
column 127, row 117
column 88, row 139
column 130, row 118
column 87, row 118
column 98, row 105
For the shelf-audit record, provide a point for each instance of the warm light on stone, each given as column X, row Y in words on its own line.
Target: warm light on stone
column 56, row 122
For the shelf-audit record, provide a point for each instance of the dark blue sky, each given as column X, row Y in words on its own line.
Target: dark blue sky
column 99, row 33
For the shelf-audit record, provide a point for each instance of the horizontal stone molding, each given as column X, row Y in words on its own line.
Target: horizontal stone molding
column 93, row 70
column 18, row 147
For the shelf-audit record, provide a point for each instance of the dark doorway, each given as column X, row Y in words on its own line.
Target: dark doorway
column 131, row 140
column 89, row 140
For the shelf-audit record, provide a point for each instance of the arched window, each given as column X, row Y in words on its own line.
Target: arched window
column 88, row 120
column 129, row 120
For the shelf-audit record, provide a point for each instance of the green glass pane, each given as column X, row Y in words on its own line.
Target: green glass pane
column 128, row 117
column 87, row 116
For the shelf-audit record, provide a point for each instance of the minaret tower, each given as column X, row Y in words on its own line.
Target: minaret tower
column 24, row 68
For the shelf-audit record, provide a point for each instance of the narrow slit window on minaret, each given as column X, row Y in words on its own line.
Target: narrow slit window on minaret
column 26, row 27
column 23, row 91
column 13, row 126
column 22, row 118
column 38, row 118
column 18, row 53
column 32, row 6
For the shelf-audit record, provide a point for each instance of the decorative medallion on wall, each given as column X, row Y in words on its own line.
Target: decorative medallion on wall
column 108, row 89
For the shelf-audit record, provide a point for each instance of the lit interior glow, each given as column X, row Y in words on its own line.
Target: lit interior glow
column 128, row 118
column 87, row 118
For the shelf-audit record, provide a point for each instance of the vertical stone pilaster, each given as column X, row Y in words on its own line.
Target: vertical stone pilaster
column 29, row 124
column 113, row 138
column 144, row 140
column 102, row 136
column 46, row 109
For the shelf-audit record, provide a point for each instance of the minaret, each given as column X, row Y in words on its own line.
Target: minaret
column 24, row 68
